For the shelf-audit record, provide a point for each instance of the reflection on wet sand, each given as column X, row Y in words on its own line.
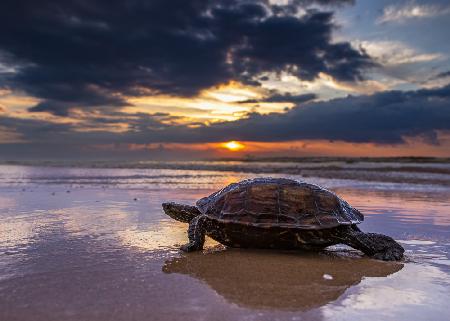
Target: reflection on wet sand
column 278, row 280
column 410, row 207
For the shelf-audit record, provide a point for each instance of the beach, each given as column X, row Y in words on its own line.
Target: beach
column 84, row 242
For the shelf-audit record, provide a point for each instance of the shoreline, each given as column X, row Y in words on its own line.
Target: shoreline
column 249, row 159
column 436, row 172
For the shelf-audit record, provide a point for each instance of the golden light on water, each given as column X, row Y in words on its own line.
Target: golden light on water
column 233, row 146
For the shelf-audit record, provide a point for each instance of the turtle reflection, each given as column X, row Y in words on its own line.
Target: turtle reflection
column 290, row 281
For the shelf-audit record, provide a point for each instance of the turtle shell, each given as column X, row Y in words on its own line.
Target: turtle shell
column 267, row 202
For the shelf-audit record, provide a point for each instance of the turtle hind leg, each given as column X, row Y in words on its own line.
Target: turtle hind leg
column 196, row 234
column 375, row 245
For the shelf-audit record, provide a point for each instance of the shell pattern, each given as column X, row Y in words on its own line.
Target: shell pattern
column 269, row 202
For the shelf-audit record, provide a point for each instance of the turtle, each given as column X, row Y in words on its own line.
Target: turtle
column 279, row 213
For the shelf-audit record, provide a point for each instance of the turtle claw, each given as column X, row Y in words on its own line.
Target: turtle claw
column 390, row 254
column 189, row 247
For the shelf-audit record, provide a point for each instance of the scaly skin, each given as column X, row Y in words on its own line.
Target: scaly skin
column 180, row 212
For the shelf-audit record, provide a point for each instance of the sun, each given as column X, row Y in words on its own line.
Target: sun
column 233, row 146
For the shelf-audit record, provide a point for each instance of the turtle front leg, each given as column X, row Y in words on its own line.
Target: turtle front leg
column 196, row 234
column 378, row 246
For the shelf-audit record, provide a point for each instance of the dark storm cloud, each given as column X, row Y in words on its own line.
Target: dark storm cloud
column 65, row 96
column 84, row 53
column 383, row 118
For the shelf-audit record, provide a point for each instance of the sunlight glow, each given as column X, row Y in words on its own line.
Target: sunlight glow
column 233, row 146
column 232, row 92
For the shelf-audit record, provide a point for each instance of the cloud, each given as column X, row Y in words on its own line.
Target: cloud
column 442, row 75
column 411, row 10
column 400, row 63
column 382, row 118
column 94, row 54
column 66, row 96
column 396, row 53
column 283, row 98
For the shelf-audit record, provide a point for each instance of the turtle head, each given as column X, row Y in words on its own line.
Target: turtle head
column 180, row 212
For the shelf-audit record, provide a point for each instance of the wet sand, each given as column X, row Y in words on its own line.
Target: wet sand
column 83, row 244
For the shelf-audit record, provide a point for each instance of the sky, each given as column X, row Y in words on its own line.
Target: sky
column 176, row 79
